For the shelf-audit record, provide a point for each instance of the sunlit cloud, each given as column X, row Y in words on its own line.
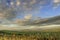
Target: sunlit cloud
column 28, row 16
column 56, row 1
column 56, row 4
column 24, row 21
column 18, row 3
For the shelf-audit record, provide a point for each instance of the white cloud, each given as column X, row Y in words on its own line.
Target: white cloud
column 12, row 3
column 56, row 4
column 56, row 1
column 18, row 3
column 28, row 16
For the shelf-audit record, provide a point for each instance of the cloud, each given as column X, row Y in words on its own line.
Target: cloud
column 25, row 21
column 28, row 5
column 33, row 2
column 1, row 16
column 28, row 17
column 7, row 13
column 19, row 6
column 23, row 7
column 19, row 22
column 56, row 3
column 18, row 3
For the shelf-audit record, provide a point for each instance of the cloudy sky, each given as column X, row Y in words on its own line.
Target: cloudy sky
column 23, row 11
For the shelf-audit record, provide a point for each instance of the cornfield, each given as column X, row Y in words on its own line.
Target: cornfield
column 29, row 35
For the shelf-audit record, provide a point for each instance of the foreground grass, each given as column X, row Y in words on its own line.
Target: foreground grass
column 30, row 35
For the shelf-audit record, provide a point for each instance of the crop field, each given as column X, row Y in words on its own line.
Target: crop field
column 13, row 35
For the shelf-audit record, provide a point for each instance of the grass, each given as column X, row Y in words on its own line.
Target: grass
column 29, row 35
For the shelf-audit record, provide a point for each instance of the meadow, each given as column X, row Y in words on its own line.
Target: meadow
column 30, row 35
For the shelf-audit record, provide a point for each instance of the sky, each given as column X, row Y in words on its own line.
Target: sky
column 23, row 11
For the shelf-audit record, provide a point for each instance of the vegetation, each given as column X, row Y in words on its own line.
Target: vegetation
column 31, row 35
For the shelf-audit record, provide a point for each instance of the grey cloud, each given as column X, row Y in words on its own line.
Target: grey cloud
column 7, row 13
column 23, row 7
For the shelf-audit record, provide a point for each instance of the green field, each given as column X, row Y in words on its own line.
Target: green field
column 29, row 35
